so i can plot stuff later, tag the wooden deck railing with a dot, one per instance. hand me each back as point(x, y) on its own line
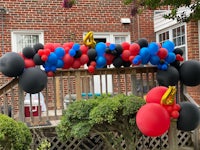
point(69, 85)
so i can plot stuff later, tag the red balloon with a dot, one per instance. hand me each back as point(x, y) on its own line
point(109, 58)
point(40, 52)
point(44, 57)
point(47, 52)
point(91, 69)
point(84, 59)
point(29, 63)
point(49, 46)
point(125, 45)
point(175, 114)
point(155, 94)
point(70, 44)
point(152, 120)
point(162, 53)
point(134, 49)
point(50, 74)
point(125, 55)
point(76, 64)
point(56, 45)
point(84, 49)
point(93, 63)
point(68, 59)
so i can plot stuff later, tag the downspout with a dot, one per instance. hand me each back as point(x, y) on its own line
point(3, 12)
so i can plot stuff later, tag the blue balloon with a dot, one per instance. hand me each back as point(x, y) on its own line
point(169, 45)
point(53, 68)
point(76, 47)
point(72, 52)
point(144, 53)
point(100, 48)
point(60, 63)
point(60, 52)
point(171, 57)
point(101, 61)
point(164, 67)
point(47, 68)
point(154, 60)
point(112, 47)
point(153, 48)
point(136, 60)
point(52, 58)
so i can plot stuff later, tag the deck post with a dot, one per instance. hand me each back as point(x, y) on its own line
point(172, 136)
point(78, 85)
point(21, 105)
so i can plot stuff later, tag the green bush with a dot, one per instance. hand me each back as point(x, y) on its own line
point(14, 135)
point(105, 116)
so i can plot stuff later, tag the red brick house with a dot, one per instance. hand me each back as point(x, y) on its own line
point(26, 22)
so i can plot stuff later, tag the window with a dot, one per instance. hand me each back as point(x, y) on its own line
point(21, 39)
point(177, 34)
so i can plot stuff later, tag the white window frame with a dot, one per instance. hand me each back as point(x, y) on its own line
point(171, 36)
point(110, 36)
point(40, 33)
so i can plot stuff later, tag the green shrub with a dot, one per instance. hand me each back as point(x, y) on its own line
point(13, 135)
point(105, 116)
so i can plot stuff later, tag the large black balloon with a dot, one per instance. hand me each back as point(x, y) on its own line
point(28, 52)
point(33, 80)
point(169, 77)
point(190, 73)
point(189, 118)
point(143, 42)
point(92, 54)
point(37, 60)
point(38, 46)
point(118, 62)
point(12, 64)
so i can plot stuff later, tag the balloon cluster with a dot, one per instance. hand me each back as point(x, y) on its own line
point(157, 54)
point(153, 118)
point(32, 79)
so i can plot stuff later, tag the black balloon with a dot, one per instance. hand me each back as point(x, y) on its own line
point(28, 52)
point(189, 118)
point(176, 64)
point(126, 63)
point(38, 46)
point(190, 73)
point(169, 77)
point(37, 60)
point(33, 80)
point(178, 51)
point(118, 49)
point(143, 42)
point(92, 54)
point(118, 62)
point(12, 64)
point(78, 54)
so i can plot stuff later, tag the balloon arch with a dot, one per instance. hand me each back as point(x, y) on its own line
point(153, 119)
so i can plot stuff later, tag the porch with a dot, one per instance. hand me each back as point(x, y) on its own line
point(69, 85)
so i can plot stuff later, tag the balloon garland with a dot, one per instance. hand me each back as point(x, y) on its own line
point(98, 55)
